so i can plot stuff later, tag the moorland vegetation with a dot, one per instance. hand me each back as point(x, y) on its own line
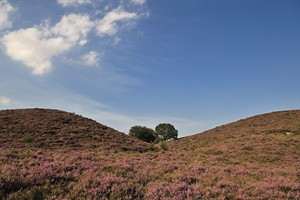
point(51, 154)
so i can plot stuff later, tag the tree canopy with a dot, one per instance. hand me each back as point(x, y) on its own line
point(163, 132)
point(166, 132)
point(143, 133)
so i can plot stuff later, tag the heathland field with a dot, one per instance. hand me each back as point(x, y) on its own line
point(51, 154)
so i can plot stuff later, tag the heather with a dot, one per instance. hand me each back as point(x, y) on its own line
point(254, 158)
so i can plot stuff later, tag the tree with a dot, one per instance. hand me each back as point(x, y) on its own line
point(166, 132)
point(142, 133)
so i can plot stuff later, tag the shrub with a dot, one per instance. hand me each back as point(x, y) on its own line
point(164, 146)
point(152, 147)
point(28, 138)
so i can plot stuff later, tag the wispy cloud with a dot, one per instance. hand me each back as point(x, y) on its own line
point(138, 2)
point(117, 40)
point(6, 9)
point(66, 3)
point(92, 58)
point(123, 122)
point(52, 95)
point(110, 23)
point(5, 100)
point(114, 118)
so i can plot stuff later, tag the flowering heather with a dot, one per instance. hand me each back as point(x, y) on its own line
point(252, 158)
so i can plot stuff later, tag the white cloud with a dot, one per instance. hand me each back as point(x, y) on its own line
point(5, 10)
point(35, 47)
point(65, 3)
point(32, 48)
point(108, 25)
point(74, 28)
point(138, 2)
point(91, 59)
point(4, 100)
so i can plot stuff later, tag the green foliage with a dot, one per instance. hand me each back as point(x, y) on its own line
point(24, 155)
point(28, 138)
point(143, 133)
point(152, 147)
point(166, 132)
point(163, 132)
point(21, 155)
point(164, 146)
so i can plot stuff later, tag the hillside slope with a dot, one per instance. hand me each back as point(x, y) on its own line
point(257, 157)
point(253, 158)
point(46, 128)
point(281, 123)
point(272, 134)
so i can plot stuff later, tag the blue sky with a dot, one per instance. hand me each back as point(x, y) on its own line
point(193, 63)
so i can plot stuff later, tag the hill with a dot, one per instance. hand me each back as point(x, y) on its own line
point(275, 124)
point(256, 157)
point(46, 128)
point(253, 158)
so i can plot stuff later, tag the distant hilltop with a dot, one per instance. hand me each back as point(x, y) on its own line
point(47, 128)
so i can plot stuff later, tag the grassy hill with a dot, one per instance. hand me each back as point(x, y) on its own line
point(53, 129)
point(59, 157)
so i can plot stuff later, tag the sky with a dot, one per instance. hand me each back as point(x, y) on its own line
point(195, 64)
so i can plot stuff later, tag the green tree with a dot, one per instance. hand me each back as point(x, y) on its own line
point(166, 132)
point(142, 133)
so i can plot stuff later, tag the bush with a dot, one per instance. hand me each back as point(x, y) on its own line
point(143, 133)
point(28, 138)
point(152, 147)
point(164, 146)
